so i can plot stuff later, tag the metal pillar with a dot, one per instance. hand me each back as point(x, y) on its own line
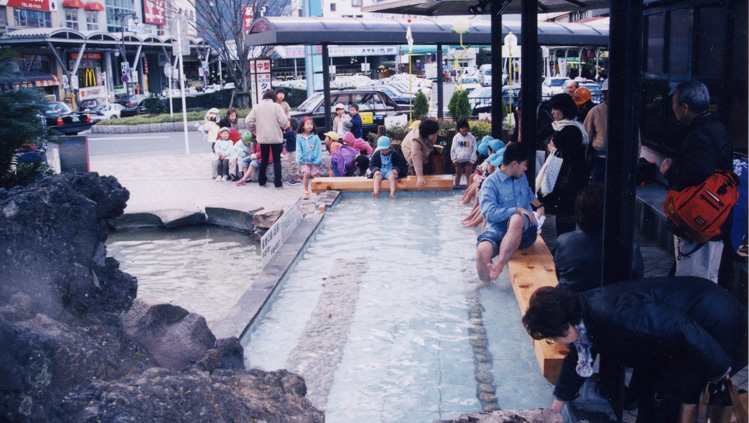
point(625, 47)
point(440, 81)
point(529, 80)
point(497, 40)
point(326, 86)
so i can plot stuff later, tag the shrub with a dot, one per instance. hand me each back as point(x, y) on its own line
point(459, 105)
point(480, 128)
point(155, 105)
point(19, 125)
point(421, 105)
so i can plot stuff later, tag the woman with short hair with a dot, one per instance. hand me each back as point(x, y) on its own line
point(416, 148)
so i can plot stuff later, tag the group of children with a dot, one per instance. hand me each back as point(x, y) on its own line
point(493, 150)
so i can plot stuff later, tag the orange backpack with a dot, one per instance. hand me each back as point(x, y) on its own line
point(699, 211)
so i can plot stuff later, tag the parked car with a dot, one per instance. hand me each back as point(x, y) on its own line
point(485, 75)
point(374, 105)
point(61, 118)
point(553, 86)
point(481, 101)
point(595, 91)
point(469, 83)
point(132, 105)
point(106, 111)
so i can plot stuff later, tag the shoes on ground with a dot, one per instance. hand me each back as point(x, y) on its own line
point(293, 182)
point(219, 178)
point(279, 187)
point(240, 183)
point(224, 178)
point(306, 195)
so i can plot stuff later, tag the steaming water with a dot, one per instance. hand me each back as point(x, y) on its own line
point(204, 269)
point(392, 342)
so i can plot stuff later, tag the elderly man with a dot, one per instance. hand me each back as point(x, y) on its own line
point(571, 87)
point(704, 147)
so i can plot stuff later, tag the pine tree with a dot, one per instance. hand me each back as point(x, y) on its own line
point(459, 106)
point(421, 105)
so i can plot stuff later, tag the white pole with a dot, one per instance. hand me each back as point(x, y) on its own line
point(220, 73)
point(182, 86)
point(169, 95)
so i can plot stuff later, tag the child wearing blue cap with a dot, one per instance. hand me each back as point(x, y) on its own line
point(386, 163)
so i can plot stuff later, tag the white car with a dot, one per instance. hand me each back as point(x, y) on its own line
point(553, 86)
point(106, 111)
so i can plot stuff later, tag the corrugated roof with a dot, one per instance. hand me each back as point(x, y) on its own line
point(314, 30)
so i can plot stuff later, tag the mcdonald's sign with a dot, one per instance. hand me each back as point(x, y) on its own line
point(90, 78)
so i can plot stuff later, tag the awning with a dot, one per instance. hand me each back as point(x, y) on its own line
point(94, 5)
point(73, 3)
point(36, 79)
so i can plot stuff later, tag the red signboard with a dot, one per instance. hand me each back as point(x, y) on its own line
point(86, 56)
point(248, 12)
point(154, 12)
point(30, 4)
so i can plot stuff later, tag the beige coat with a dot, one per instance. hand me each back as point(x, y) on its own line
point(416, 151)
point(267, 121)
point(596, 125)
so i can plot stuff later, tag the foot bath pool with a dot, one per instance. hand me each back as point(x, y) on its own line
point(376, 316)
point(204, 269)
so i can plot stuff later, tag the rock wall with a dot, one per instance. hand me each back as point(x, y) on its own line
point(74, 346)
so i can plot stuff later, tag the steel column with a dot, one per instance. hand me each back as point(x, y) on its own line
point(440, 81)
point(326, 85)
point(625, 47)
point(529, 80)
point(496, 19)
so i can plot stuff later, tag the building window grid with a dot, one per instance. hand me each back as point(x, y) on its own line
point(116, 9)
point(32, 18)
point(71, 18)
point(3, 17)
point(92, 20)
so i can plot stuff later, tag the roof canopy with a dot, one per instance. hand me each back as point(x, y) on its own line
point(461, 7)
point(314, 31)
point(72, 36)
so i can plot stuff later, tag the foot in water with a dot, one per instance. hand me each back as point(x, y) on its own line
point(494, 270)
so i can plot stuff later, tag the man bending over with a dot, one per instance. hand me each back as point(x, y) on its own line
point(505, 199)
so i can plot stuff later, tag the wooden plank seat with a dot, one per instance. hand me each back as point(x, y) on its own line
point(363, 184)
point(529, 270)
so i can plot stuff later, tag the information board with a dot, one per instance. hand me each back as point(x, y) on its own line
point(271, 242)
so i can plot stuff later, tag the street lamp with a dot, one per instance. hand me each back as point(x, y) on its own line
point(122, 39)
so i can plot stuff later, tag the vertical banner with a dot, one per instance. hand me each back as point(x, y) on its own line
point(260, 77)
point(248, 14)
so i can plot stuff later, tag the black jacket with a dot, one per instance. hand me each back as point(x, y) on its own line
point(398, 163)
point(639, 323)
point(573, 176)
point(578, 261)
point(705, 146)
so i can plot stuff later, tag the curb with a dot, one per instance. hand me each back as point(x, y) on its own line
point(153, 127)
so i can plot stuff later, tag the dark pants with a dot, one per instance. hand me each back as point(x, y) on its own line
point(598, 171)
point(222, 167)
point(265, 149)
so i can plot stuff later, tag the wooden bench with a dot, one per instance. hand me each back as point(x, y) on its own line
point(363, 184)
point(529, 270)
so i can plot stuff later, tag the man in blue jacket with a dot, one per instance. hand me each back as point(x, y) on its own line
point(505, 199)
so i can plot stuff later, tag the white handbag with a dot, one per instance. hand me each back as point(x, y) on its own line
point(547, 177)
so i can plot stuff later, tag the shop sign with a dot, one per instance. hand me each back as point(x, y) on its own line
point(248, 14)
point(92, 92)
point(86, 56)
point(29, 4)
point(154, 12)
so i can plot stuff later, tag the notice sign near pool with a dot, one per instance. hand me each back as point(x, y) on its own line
point(271, 242)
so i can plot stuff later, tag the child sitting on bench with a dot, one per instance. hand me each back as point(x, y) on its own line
point(386, 163)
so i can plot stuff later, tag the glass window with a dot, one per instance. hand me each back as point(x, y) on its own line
point(71, 18)
point(32, 18)
point(92, 20)
point(657, 121)
point(115, 10)
point(654, 54)
point(3, 17)
point(332, 7)
point(356, 3)
point(739, 48)
point(678, 50)
point(710, 41)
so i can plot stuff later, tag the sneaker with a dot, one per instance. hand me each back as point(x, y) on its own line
point(240, 183)
point(225, 178)
point(219, 178)
point(293, 182)
point(281, 187)
point(306, 195)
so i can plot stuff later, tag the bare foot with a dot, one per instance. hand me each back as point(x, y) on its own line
point(471, 287)
point(375, 194)
point(392, 195)
point(494, 270)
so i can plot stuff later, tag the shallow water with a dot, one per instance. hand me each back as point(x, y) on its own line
point(204, 269)
point(375, 316)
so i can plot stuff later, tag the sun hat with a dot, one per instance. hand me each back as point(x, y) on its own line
point(223, 129)
point(247, 137)
point(333, 136)
point(605, 86)
point(582, 95)
point(383, 143)
point(496, 144)
point(483, 144)
point(340, 106)
point(496, 158)
point(414, 124)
